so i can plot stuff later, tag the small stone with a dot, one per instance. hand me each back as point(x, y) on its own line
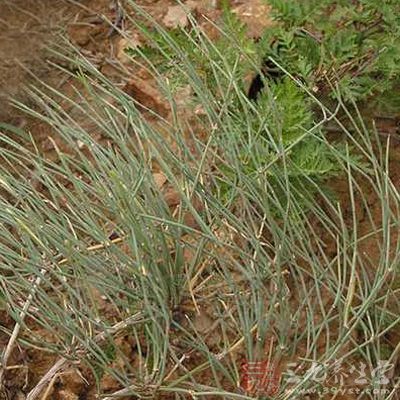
point(159, 179)
point(175, 17)
point(128, 42)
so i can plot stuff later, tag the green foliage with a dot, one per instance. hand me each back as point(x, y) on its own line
point(280, 141)
point(287, 119)
point(256, 281)
point(291, 113)
point(354, 45)
point(282, 121)
point(169, 53)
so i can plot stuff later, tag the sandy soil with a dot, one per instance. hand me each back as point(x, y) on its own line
point(26, 28)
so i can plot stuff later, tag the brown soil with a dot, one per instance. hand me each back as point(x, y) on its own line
point(26, 27)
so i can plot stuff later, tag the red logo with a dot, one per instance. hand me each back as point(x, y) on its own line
point(260, 378)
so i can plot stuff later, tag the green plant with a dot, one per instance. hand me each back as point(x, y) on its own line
point(281, 122)
point(350, 45)
point(169, 53)
point(292, 283)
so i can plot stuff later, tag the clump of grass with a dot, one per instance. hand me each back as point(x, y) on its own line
point(282, 117)
point(266, 269)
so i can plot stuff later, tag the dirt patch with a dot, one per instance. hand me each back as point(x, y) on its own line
point(26, 28)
